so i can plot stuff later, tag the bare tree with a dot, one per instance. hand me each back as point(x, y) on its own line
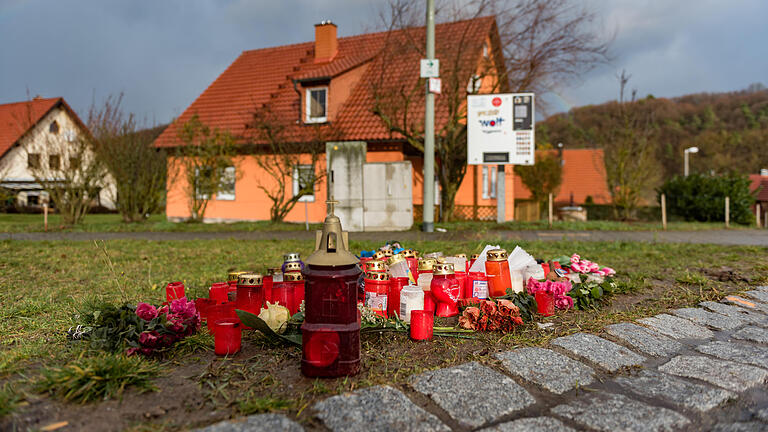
point(139, 170)
point(630, 165)
point(288, 161)
point(64, 164)
point(201, 163)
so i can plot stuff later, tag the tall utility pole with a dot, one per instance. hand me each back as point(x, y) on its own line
point(429, 131)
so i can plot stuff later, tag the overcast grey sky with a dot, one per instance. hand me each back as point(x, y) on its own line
point(163, 53)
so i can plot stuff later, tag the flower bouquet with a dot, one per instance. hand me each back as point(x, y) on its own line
point(489, 315)
point(558, 289)
point(164, 326)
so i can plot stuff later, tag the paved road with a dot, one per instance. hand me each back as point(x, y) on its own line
point(692, 369)
point(753, 237)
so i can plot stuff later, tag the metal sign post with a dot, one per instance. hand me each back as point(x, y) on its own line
point(429, 125)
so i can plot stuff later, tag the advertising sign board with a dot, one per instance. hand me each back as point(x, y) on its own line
point(500, 129)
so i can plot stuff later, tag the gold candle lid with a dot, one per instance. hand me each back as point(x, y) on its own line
point(377, 276)
point(234, 275)
point(461, 255)
point(443, 269)
point(388, 252)
point(394, 259)
point(250, 279)
point(274, 270)
point(426, 264)
point(293, 256)
point(292, 266)
point(475, 256)
point(409, 253)
point(375, 266)
point(379, 255)
point(292, 276)
point(497, 255)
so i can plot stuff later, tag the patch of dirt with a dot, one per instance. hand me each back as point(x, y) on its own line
point(724, 274)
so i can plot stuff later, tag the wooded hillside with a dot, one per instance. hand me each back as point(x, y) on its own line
point(730, 129)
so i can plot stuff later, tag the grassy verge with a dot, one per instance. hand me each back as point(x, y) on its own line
point(15, 223)
point(45, 284)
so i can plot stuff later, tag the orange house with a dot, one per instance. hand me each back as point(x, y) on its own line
point(334, 82)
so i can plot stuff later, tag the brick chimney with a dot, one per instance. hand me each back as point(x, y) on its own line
point(326, 45)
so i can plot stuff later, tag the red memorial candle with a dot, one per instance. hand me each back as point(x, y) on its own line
point(228, 336)
point(173, 291)
point(421, 325)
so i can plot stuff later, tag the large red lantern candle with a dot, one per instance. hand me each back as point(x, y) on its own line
point(445, 290)
point(421, 325)
point(376, 291)
point(227, 337)
point(173, 291)
point(331, 329)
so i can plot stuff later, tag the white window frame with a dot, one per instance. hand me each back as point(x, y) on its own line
point(228, 173)
point(304, 198)
point(308, 103)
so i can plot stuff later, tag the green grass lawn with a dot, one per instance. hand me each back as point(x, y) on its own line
point(44, 285)
point(15, 223)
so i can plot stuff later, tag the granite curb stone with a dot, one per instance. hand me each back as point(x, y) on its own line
point(255, 423)
point(613, 412)
point(749, 304)
point(743, 314)
point(531, 424)
point(643, 339)
point(677, 328)
point(456, 389)
point(710, 319)
point(740, 427)
point(546, 368)
point(737, 351)
point(758, 295)
point(727, 374)
point(676, 390)
point(753, 334)
point(362, 410)
point(762, 414)
point(604, 353)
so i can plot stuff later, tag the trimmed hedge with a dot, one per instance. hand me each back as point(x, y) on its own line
point(702, 197)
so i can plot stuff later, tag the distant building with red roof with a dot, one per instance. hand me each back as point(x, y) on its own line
point(27, 131)
point(583, 178)
point(759, 186)
point(334, 82)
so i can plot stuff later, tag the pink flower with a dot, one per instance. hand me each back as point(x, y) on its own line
point(607, 271)
point(575, 258)
point(593, 267)
point(563, 302)
point(131, 351)
point(184, 308)
point(148, 339)
point(175, 323)
point(145, 311)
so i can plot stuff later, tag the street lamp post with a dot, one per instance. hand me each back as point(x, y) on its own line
point(685, 158)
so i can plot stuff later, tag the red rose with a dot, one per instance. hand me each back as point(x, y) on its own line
point(145, 311)
point(148, 339)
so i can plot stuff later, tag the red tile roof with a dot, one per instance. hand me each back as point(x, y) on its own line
point(18, 117)
point(583, 176)
point(759, 184)
point(266, 76)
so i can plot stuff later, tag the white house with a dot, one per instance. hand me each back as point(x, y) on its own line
point(40, 136)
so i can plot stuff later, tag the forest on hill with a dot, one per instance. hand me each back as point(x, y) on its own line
point(730, 130)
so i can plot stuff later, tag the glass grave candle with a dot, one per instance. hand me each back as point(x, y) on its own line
point(250, 293)
point(413, 263)
point(282, 293)
point(203, 305)
point(295, 282)
point(411, 299)
point(497, 269)
point(393, 296)
point(472, 260)
point(219, 292)
point(219, 312)
point(232, 278)
point(466, 263)
point(425, 281)
point(268, 280)
point(331, 330)
point(294, 258)
point(545, 303)
point(173, 291)
point(227, 337)
point(376, 290)
point(478, 286)
point(376, 266)
point(422, 323)
point(445, 290)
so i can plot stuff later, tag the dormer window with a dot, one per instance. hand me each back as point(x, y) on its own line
point(316, 106)
point(53, 128)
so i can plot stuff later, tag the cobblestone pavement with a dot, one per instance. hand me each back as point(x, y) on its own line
point(695, 369)
point(753, 237)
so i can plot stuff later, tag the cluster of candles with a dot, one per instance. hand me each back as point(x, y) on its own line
point(398, 282)
point(246, 291)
